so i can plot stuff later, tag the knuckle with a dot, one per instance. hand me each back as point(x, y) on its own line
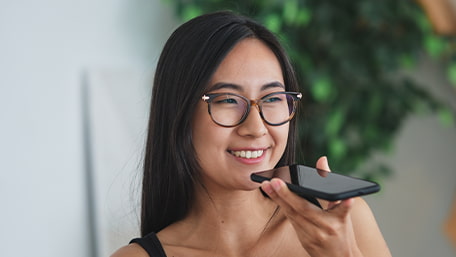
point(319, 240)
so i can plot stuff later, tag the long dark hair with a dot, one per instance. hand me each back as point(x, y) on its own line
point(189, 58)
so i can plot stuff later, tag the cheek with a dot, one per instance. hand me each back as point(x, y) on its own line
point(280, 135)
point(209, 142)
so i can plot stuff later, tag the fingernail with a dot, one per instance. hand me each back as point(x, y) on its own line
point(276, 185)
point(267, 187)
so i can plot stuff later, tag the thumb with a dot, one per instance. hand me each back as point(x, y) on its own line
point(322, 163)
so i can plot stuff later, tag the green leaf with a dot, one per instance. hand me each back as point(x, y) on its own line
point(434, 45)
point(290, 11)
point(321, 89)
point(191, 11)
point(423, 22)
point(335, 121)
point(451, 73)
point(304, 17)
point(374, 106)
point(337, 148)
point(446, 117)
point(406, 61)
point(370, 133)
point(294, 15)
point(273, 22)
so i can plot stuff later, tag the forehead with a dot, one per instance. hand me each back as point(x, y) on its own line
point(251, 63)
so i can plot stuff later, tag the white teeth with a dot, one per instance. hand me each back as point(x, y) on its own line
point(247, 154)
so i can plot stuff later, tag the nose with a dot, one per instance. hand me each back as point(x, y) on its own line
point(253, 125)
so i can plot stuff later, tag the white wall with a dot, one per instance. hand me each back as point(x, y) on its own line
point(45, 46)
point(118, 101)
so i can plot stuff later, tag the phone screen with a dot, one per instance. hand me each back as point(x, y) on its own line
point(307, 181)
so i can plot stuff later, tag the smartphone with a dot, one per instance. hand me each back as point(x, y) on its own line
point(311, 183)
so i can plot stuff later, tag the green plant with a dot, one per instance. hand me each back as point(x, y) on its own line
point(347, 55)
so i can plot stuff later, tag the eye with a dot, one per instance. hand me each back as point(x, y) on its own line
point(274, 99)
point(225, 100)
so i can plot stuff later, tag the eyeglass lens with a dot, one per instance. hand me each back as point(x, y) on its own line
point(231, 109)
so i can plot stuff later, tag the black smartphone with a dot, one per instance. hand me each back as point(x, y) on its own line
point(311, 183)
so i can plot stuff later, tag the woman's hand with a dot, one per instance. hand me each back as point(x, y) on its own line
point(322, 232)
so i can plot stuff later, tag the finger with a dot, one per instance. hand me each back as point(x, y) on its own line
point(332, 205)
point(342, 208)
point(289, 200)
point(268, 188)
point(322, 163)
point(306, 218)
point(271, 190)
point(303, 215)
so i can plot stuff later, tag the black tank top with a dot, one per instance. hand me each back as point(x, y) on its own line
point(151, 244)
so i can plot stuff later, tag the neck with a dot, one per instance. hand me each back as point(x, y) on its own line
point(229, 207)
point(231, 220)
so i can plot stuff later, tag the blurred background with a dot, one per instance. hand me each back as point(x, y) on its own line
point(75, 79)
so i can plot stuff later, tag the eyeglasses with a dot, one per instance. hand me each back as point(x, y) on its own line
point(230, 110)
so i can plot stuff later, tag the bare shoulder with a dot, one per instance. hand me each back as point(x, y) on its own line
point(362, 214)
point(362, 217)
point(368, 234)
point(131, 250)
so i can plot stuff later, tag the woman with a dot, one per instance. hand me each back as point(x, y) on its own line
point(215, 117)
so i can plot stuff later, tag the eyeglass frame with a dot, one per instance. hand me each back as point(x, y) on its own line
point(296, 96)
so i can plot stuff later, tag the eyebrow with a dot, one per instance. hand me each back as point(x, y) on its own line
point(239, 88)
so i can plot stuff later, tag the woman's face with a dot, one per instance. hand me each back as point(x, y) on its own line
point(252, 70)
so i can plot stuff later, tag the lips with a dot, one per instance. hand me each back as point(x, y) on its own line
point(247, 154)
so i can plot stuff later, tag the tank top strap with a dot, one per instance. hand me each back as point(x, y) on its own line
point(151, 245)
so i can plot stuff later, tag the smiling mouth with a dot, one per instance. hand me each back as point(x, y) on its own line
point(247, 154)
